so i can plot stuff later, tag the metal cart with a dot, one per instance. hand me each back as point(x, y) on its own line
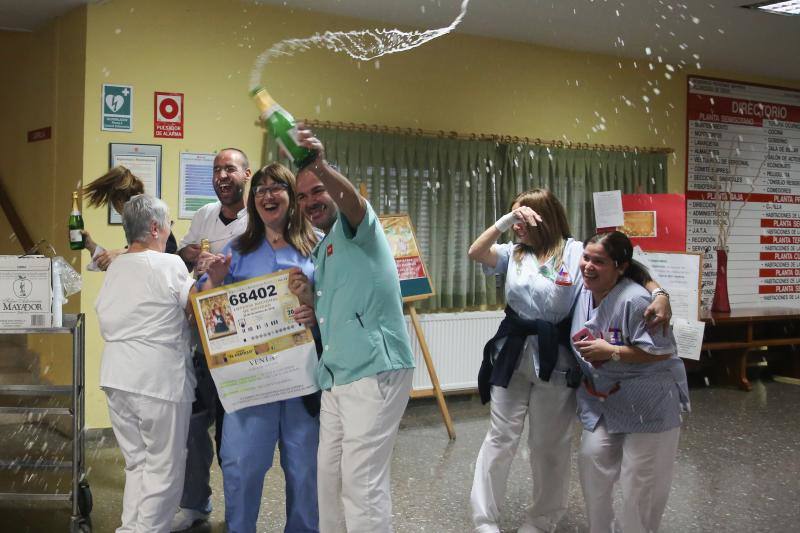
point(80, 495)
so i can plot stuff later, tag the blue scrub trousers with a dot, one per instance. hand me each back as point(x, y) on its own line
point(249, 437)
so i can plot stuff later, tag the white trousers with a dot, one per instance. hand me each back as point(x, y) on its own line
point(358, 428)
point(643, 464)
point(152, 436)
point(550, 407)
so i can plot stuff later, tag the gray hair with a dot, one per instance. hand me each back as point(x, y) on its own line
point(137, 215)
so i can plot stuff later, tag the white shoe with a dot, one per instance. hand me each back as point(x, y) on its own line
point(186, 518)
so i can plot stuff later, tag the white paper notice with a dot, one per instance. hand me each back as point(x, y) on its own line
point(608, 209)
point(688, 337)
point(679, 274)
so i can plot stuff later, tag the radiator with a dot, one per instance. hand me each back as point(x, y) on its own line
point(455, 341)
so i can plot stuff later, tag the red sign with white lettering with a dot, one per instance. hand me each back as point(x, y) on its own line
point(168, 115)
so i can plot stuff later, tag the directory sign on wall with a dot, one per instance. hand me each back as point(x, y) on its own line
point(743, 189)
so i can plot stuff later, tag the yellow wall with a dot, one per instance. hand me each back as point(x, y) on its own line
point(45, 87)
point(206, 48)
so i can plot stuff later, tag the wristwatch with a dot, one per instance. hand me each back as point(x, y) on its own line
point(658, 291)
point(615, 356)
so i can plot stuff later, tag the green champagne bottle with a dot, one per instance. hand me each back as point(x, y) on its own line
point(75, 225)
point(280, 125)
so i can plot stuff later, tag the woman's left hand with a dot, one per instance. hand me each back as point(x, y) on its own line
point(595, 349)
point(658, 313)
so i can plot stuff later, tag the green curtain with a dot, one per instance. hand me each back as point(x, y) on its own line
point(454, 188)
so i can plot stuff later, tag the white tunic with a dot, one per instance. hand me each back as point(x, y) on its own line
point(533, 291)
point(207, 225)
point(140, 309)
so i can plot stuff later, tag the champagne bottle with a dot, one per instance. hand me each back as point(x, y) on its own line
point(76, 241)
point(281, 126)
point(199, 269)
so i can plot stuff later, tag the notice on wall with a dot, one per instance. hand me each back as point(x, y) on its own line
point(679, 275)
point(743, 189)
point(196, 183)
point(608, 210)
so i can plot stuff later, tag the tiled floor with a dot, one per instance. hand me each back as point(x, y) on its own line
point(738, 469)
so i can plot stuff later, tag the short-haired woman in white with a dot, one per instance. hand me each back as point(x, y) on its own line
point(633, 390)
point(146, 369)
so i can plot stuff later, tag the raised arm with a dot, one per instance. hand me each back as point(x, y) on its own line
point(482, 250)
point(351, 205)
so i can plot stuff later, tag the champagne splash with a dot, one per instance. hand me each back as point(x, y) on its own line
point(363, 45)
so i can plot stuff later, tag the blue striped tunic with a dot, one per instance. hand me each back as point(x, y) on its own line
point(630, 397)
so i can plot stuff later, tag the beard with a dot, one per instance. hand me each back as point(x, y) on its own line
point(233, 194)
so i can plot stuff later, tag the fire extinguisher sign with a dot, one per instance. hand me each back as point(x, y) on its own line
point(168, 115)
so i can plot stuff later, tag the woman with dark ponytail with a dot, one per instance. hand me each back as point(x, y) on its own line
point(632, 393)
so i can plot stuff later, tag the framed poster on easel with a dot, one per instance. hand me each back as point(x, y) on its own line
point(415, 284)
point(144, 162)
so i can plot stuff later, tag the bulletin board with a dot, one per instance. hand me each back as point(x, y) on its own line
point(144, 162)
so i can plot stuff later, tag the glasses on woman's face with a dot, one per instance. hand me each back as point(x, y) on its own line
point(272, 190)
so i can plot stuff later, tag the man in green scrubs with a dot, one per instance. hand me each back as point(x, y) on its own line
point(366, 366)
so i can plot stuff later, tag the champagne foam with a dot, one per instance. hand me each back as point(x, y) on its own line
point(364, 45)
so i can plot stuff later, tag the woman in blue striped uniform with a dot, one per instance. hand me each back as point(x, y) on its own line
point(632, 394)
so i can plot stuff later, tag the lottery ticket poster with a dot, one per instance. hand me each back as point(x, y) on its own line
point(255, 350)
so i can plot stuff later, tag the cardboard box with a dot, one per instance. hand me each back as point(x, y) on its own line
point(26, 292)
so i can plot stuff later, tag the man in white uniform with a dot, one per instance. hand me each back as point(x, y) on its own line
point(218, 222)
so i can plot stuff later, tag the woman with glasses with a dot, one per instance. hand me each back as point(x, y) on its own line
point(277, 237)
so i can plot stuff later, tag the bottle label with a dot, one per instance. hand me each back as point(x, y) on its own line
point(75, 235)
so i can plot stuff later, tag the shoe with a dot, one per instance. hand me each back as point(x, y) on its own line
point(186, 518)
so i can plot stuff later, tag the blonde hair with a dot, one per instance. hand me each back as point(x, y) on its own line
point(298, 231)
point(115, 187)
point(551, 233)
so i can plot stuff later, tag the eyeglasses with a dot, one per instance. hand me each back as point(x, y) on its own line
point(272, 190)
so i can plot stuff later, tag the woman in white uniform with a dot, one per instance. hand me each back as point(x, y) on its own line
point(528, 369)
point(631, 398)
point(146, 369)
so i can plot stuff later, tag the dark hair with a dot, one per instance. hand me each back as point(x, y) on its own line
point(552, 232)
point(115, 187)
point(298, 231)
point(620, 249)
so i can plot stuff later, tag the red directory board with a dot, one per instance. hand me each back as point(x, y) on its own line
point(743, 188)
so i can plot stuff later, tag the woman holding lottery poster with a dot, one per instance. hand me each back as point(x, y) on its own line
point(277, 237)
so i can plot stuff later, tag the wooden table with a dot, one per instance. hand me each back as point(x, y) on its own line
point(734, 335)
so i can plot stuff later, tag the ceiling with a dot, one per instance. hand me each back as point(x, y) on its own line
point(717, 34)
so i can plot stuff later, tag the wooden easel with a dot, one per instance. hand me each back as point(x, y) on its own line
point(426, 354)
